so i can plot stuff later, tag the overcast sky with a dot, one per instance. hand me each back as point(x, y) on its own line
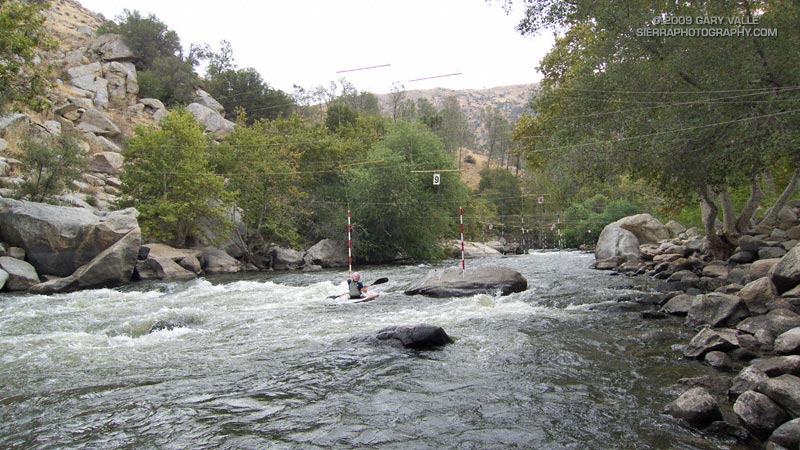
point(306, 42)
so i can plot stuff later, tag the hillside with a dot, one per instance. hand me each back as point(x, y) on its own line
point(511, 100)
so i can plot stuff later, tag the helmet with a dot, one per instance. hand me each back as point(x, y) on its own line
point(356, 276)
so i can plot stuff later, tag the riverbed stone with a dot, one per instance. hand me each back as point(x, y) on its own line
point(710, 339)
point(778, 365)
point(786, 273)
point(696, 406)
point(747, 379)
point(418, 337)
point(759, 414)
point(21, 274)
point(776, 322)
point(783, 390)
point(3, 278)
point(716, 310)
point(787, 435)
point(788, 343)
point(217, 261)
point(719, 360)
point(645, 227)
point(160, 268)
point(759, 295)
point(452, 282)
point(679, 305)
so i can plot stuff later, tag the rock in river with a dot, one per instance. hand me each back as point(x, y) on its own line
point(451, 282)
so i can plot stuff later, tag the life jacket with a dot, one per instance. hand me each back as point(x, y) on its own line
point(355, 291)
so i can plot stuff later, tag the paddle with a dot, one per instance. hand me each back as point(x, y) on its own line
point(378, 281)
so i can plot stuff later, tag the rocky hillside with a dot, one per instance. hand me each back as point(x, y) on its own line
point(511, 100)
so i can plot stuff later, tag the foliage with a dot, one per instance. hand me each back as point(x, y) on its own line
point(620, 99)
point(261, 172)
point(148, 37)
point(583, 222)
point(501, 188)
point(23, 78)
point(150, 85)
point(244, 90)
point(51, 163)
point(168, 178)
point(398, 212)
point(340, 116)
point(173, 78)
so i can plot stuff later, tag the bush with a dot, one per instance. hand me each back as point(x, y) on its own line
point(51, 162)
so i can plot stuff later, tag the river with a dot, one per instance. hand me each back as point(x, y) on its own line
point(263, 360)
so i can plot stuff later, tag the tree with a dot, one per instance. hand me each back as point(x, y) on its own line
point(174, 78)
point(148, 37)
point(498, 133)
point(23, 78)
point(501, 188)
point(51, 163)
point(455, 130)
point(621, 95)
point(261, 173)
point(168, 178)
point(399, 212)
point(245, 90)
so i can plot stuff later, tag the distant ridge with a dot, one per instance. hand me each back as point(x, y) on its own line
point(511, 100)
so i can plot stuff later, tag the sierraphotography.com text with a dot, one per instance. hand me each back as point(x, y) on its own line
point(705, 26)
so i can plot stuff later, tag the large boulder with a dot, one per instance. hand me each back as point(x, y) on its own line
point(94, 121)
point(204, 98)
point(786, 273)
point(616, 242)
point(787, 435)
point(418, 337)
point(57, 239)
point(214, 122)
point(110, 47)
point(286, 259)
point(646, 228)
point(760, 415)
point(21, 275)
point(716, 310)
point(473, 250)
point(217, 261)
point(328, 253)
point(452, 282)
point(112, 267)
point(783, 390)
point(709, 339)
point(695, 406)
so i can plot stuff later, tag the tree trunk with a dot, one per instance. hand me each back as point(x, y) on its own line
point(728, 213)
point(771, 219)
point(719, 248)
point(756, 195)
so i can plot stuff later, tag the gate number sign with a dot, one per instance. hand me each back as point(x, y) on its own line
point(437, 179)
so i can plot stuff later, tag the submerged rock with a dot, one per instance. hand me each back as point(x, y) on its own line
point(418, 337)
point(451, 282)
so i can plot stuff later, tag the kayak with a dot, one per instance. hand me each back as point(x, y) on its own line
point(371, 296)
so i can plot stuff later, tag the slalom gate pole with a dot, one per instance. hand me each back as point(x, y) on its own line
point(349, 248)
point(461, 223)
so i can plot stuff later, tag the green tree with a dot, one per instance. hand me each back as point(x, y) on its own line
point(620, 96)
point(148, 37)
point(174, 78)
point(501, 188)
point(245, 90)
point(399, 212)
point(261, 172)
point(51, 163)
point(168, 178)
point(339, 117)
point(23, 77)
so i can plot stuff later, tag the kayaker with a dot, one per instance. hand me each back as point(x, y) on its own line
point(356, 287)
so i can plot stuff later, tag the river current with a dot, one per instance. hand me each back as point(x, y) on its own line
point(265, 361)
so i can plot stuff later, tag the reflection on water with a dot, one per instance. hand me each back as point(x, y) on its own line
point(266, 361)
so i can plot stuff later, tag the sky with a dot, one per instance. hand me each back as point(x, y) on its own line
point(310, 42)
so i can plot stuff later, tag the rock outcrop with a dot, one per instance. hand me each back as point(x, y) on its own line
point(451, 282)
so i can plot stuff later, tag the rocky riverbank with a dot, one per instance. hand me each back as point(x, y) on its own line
point(745, 311)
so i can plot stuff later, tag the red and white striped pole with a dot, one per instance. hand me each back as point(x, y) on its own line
point(349, 248)
point(461, 220)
